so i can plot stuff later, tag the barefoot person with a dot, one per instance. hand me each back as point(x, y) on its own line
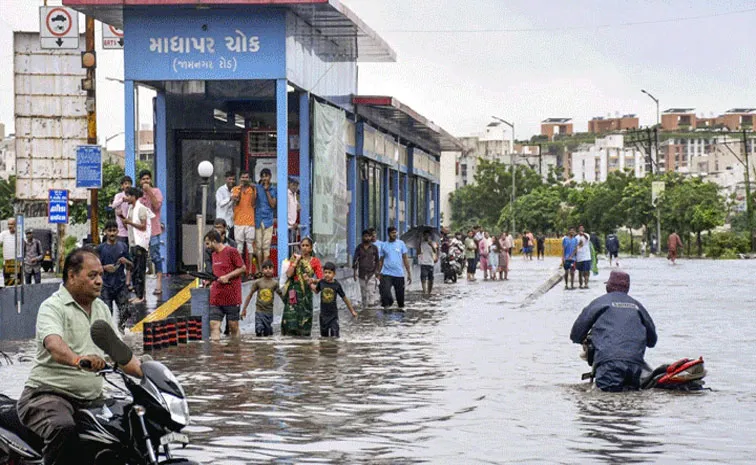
point(674, 243)
point(301, 271)
point(569, 249)
point(225, 292)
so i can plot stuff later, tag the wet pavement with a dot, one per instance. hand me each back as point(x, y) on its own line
point(471, 375)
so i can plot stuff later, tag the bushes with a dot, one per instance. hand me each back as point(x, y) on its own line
point(726, 245)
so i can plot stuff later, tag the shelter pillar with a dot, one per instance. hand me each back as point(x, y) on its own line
point(385, 197)
point(282, 168)
point(162, 174)
point(305, 171)
point(437, 189)
point(395, 174)
point(352, 229)
point(129, 129)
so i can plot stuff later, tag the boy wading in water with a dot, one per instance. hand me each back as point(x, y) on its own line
point(265, 287)
point(329, 288)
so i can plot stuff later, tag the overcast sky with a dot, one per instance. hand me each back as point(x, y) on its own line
point(522, 60)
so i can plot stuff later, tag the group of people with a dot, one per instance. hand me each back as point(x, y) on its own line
point(30, 268)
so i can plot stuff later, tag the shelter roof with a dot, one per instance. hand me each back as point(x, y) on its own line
point(332, 20)
point(394, 116)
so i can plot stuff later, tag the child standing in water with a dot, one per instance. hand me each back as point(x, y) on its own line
point(265, 287)
point(329, 288)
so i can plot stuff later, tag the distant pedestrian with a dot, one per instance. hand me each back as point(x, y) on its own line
point(393, 255)
point(115, 259)
point(224, 203)
point(596, 243)
point(120, 205)
point(583, 257)
point(493, 255)
point(427, 258)
point(504, 257)
point(244, 197)
point(153, 199)
point(11, 269)
point(674, 245)
point(569, 250)
point(511, 242)
point(612, 248)
point(265, 287)
point(471, 250)
point(365, 264)
point(265, 212)
point(225, 291)
point(643, 249)
point(139, 226)
point(293, 212)
point(531, 244)
point(483, 251)
point(540, 246)
point(329, 288)
point(32, 258)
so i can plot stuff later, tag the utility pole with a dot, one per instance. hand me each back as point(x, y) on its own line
point(88, 61)
point(749, 206)
point(514, 166)
point(540, 162)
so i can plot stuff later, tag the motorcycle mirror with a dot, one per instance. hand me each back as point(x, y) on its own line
point(106, 339)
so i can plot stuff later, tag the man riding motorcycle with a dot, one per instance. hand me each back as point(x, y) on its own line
point(57, 386)
point(620, 329)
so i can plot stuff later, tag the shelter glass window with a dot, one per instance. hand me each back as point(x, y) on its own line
point(422, 201)
point(402, 204)
point(392, 187)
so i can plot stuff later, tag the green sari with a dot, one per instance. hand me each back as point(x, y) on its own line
point(297, 314)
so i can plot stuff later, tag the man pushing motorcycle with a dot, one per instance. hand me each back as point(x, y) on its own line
point(620, 329)
point(59, 384)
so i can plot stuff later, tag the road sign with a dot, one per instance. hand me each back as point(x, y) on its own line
point(89, 166)
point(57, 206)
point(657, 187)
point(58, 27)
point(112, 37)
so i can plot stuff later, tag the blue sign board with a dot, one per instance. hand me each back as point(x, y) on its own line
point(200, 44)
point(89, 166)
point(57, 208)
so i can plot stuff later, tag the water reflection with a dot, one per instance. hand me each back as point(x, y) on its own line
point(613, 425)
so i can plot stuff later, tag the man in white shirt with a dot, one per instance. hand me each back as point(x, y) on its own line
point(224, 204)
point(293, 210)
point(11, 271)
point(583, 257)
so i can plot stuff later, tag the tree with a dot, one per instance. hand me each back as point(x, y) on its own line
point(693, 206)
point(7, 196)
point(111, 185)
point(538, 210)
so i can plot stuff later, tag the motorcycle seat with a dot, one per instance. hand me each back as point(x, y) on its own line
point(9, 421)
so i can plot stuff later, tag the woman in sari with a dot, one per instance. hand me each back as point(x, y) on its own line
point(300, 272)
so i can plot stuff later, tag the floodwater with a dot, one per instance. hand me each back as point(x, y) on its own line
point(472, 376)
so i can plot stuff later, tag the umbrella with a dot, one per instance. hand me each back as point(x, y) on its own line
point(414, 236)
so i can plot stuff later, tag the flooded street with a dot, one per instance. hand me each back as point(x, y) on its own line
point(473, 376)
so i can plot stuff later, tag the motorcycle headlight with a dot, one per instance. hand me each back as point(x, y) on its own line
point(178, 408)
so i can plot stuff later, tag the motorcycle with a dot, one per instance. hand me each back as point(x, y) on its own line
point(450, 265)
point(682, 375)
point(123, 430)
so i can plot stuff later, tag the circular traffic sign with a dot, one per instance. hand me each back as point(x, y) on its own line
point(59, 22)
point(116, 32)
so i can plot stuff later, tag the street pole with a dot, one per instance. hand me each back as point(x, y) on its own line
point(656, 169)
point(92, 120)
point(749, 207)
point(201, 227)
point(514, 171)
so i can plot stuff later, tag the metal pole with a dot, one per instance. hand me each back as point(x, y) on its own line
point(514, 176)
point(656, 131)
point(92, 122)
point(749, 207)
point(201, 227)
point(136, 129)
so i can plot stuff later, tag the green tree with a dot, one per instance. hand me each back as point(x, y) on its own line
point(7, 196)
point(111, 179)
point(693, 206)
point(539, 210)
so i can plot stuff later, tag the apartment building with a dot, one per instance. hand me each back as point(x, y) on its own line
point(594, 162)
point(601, 125)
point(494, 144)
point(678, 119)
point(551, 127)
point(7, 154)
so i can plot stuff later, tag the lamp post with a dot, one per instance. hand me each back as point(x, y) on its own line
point(514, 171)
point(205, 170)
point(656, 133)
point(136, 112)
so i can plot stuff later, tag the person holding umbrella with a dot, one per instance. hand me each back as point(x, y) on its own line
point(427, 258)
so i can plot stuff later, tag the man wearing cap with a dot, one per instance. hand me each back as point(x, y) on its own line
point(621, 329)
point(32, 258)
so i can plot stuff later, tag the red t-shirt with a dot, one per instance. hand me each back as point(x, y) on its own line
point(224, 262)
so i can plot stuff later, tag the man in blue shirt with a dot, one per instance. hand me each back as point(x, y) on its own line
point(569, 249)
point(393, 256)
point(265, 213)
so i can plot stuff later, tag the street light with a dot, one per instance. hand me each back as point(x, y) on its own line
point(205, 170)
point(514, 171)
point(656, 133)
point(136, 112)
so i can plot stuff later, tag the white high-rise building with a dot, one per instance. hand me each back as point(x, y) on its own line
point(594, 162)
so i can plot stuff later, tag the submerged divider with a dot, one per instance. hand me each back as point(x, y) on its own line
point(168, 307)
point(171, 332)
point(544, 288)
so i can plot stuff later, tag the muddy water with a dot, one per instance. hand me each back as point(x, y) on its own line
point(473, 376)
